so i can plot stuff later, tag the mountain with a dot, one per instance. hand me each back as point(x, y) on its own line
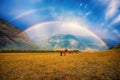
point(111, 43)
point(117, 47)
point(11, 38)
point(62, 41)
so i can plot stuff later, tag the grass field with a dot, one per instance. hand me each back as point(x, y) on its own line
point(103, 65)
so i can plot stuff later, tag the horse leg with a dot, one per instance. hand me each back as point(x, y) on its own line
point(64, 53)
point(61, 53)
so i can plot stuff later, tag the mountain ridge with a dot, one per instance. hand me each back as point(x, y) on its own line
point(117, 47)
point(69, 41)
point(11, 39)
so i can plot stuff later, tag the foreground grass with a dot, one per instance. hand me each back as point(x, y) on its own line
point(104, 65)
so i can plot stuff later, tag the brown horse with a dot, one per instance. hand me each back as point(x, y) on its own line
point(63, 52)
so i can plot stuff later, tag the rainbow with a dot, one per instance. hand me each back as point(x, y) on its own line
point(25, 14)
point(49, 22)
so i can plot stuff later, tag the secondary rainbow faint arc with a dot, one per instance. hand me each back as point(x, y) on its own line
point(48, 22)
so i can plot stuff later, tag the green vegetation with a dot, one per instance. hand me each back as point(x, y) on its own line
point(103, 65)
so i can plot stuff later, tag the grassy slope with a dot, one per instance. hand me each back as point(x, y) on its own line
point(84, 66)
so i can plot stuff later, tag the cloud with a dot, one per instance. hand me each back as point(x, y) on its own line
point(88, 13)
point(117, 19)
point(112, 8)
point(113, 21)
point(81, 4)
point(103, 1)
point(116, 33)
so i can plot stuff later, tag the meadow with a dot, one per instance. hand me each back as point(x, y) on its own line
point(100, 65)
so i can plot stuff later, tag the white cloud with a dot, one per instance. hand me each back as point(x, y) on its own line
point(112, 8)
point(88, 13)
point(117, 19)
point(114, 21)
point(116, 32)
point(103, 1)
point(81, 4)
point(63, 15)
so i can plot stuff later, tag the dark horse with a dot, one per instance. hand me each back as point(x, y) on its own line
point(63, 52)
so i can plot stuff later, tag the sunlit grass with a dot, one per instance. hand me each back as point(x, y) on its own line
point(104, 65)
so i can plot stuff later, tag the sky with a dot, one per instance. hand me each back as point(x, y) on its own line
point(102, 17)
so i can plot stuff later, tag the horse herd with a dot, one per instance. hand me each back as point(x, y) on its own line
point(63, 52)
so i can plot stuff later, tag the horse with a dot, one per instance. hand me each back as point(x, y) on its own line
point(63, 52)
point(73, 51)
